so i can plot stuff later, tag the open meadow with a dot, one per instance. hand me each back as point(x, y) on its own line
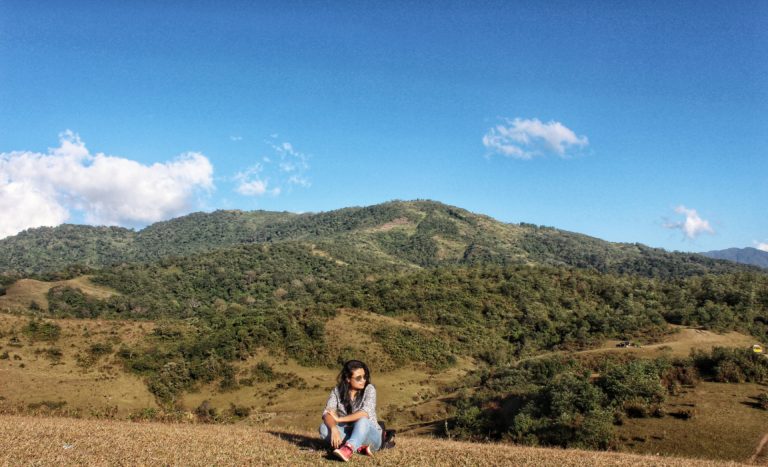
point(61, 441)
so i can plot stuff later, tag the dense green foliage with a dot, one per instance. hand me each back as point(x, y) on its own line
point(726, 365)
point(405, 345)
point(571, 403)
point(420, 233)
point(279, 296)
point(49, 249)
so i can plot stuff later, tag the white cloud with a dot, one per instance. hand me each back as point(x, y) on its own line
point(300, 181)
point(529, 138)
point(283, 169)
point(235, 138)
point(693, 225)
point(252, 188)
point(43, 189)
point(762, 246)
point(252, 184)
point(24, 206)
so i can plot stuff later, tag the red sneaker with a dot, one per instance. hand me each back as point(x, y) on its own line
point(365, 450)
point(344, 452)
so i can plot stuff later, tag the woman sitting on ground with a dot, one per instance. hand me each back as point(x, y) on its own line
point(349, 419)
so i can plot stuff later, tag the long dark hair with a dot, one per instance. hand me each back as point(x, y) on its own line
point(343, 385)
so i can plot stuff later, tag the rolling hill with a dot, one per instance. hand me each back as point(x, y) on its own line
point(472, 326)
point(747, 255)
point(402, 233)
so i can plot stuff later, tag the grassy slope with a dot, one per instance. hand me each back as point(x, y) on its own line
point(29, 375)
point(726, 426)
point(410, 396)
point(57, 441)
point(23, 292)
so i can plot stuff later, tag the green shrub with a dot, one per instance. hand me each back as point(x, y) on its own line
point(239, 411)
point(729, 365)
point(263, 372)
point(38, 330)
point(206, 413)
point(48, 405)
point(100, 348)
point(762, 400)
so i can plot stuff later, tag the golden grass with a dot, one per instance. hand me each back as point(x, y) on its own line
point(680, 344)
point(726, 424)
point(29, 376)
point(59, 441)
point(23, 292)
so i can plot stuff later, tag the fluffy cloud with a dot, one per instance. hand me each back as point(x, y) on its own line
point(692, 226)
point(251, 183)
point(528, 138)
point(39, 189)
point(762, 246)
point(24, 206)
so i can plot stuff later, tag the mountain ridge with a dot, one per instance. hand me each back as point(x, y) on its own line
point(420, 233)
point(748, 255)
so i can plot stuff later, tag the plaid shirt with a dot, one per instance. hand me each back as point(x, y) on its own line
point(367, 404)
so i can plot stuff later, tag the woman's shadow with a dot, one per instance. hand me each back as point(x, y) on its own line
point(304, 443)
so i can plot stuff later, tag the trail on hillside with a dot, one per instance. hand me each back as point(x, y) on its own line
point(759, 450)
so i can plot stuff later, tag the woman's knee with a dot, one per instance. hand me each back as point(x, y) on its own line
point(364, 422)
point(323, 430)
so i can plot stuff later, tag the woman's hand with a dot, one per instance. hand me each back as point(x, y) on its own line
point(335, 437)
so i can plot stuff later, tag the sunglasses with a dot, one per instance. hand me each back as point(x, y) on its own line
point(359, 378)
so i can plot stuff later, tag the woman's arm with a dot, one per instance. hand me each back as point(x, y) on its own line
point(330, 421)
point(351, 418)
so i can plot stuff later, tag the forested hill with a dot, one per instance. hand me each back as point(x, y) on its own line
point(406, 234)
point(747, 255)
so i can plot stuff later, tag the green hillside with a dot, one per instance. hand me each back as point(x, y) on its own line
point(408, 285)
point(408, 234)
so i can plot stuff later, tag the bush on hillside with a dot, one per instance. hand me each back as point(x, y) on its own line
point(727, 365)
point(38, 330)
point(762, 400)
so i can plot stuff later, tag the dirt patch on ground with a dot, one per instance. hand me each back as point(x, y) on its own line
point(394, 223)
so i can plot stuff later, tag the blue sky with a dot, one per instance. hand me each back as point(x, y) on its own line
point(629, 121)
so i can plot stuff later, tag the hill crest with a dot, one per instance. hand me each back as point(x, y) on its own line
point(418, 233)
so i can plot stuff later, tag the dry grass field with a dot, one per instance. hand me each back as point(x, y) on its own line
point(726, 424)
point(680, 343)
point(59, 441)
point(61, 372)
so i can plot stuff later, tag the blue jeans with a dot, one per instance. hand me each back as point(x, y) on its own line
point(359, 433)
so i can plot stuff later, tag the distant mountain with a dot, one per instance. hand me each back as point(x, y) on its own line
point(404, 234)
point(747, 255)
